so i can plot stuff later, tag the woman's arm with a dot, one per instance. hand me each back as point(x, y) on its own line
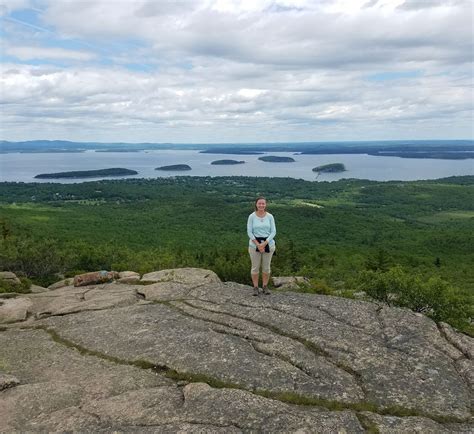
point(272, 230)
point(250, 230)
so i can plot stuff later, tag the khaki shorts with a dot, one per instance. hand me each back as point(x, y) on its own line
point(260, 259)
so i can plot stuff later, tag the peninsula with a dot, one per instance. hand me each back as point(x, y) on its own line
point(174, 167)
point(227, 162)
point(330, 168)
point(88, 173)
point(275, 159)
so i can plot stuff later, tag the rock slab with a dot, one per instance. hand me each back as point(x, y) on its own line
point(193, 354)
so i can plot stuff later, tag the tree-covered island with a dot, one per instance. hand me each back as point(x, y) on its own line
point(116, 171)
point(174, 167)
point(330, 168)
point(226, 162)
point(275, 159)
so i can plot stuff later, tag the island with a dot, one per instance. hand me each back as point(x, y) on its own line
point(174, 167)
point(98, 173)
point(275, 159)
point(227, 162)
point(330, 168)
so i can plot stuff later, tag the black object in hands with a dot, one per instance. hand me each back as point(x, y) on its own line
point(261, 240)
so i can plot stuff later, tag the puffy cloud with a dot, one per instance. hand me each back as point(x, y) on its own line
point(229, 70)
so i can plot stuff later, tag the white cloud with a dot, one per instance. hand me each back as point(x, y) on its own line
point(229, 70)
point(35, 53)
point(7, 6)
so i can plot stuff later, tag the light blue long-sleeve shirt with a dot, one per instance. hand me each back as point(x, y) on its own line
point(261, 227)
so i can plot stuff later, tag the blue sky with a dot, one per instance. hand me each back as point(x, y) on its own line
point(236, 71)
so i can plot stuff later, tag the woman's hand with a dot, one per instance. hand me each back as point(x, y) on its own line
point(261, 247)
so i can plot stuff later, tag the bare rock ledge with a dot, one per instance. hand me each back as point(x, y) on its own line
point(189, 353)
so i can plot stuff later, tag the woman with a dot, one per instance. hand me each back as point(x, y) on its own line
point(261, 231)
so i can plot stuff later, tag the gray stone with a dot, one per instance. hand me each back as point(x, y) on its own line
point(289, 282)
point(165, 291)
point(464, 343)
point(61, 284)
point(9, 277)
point(128, 277)
point(412, 424)
point(90, 371)
point(187, 276)
point(56, 379)
point(68, 299)
point(14, 309)
point(8, 381)
point(36, 289)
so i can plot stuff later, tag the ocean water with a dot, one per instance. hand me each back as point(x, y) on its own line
point(22, 167)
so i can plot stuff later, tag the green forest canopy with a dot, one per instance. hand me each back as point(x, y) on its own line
point(329, 231)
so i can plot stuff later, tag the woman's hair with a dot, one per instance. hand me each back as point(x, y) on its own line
point(256, 200)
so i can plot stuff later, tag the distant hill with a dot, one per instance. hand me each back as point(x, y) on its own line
point(88, 173)
point(442, 149)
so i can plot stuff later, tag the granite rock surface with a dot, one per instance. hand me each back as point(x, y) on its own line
point(189, 353)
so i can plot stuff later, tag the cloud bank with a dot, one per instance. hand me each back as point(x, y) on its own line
point(236, 71)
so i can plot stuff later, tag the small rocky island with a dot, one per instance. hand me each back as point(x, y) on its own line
point(88, 173)
point(275, 159)
point(174, 167)
point(330, 168)
point(227, 162)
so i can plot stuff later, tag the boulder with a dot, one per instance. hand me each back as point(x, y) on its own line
point(77, 299)
point(14, 309)
point(289, 282)
point(128, 277)
point(61, 284)
point(94, 278)
point(9, 277)
point(36, 289)
point(187, 276)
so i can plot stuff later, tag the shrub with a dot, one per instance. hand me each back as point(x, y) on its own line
point(433, 296)
point(22, 288)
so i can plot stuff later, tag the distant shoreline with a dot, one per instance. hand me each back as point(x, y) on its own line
point(432, 149)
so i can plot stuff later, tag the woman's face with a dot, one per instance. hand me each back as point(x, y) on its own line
point(261, 204)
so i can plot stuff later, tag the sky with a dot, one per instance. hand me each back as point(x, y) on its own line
point(230, 71)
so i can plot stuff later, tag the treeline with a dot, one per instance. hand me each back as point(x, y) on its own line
point(331, 232)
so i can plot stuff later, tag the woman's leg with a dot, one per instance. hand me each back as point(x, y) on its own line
point(256, 259)
point(255, 280)
point(266, 260)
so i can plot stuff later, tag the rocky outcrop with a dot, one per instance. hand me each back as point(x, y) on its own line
point(9, 277)
point(61, 283)
point(14, 309)
point(188, 353)
point(128, 277)
point(94, 278)
point(289, 282)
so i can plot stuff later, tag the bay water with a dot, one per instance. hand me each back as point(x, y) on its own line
point(22, 167)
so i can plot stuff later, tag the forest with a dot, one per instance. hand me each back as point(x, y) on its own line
point(404, 243)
